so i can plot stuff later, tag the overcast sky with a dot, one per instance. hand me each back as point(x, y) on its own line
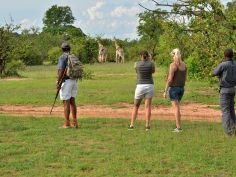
point(95, 17)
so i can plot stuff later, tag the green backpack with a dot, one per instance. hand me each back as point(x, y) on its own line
point(75, 67)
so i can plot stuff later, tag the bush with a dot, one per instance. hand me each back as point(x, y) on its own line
point(12, 68)
point(88, 74)
point(53, 55)
point(192, 67)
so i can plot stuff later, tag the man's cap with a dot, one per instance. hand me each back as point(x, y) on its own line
point(65, 45)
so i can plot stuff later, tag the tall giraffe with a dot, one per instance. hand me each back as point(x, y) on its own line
point(102, 53)
point(120, 55)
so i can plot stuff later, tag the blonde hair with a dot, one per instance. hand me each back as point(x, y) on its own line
point(176, 56)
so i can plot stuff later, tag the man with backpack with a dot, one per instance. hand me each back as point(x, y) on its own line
point(69, 71)
point(226, 71)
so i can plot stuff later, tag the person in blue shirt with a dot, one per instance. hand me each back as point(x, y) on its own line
point(68, 89)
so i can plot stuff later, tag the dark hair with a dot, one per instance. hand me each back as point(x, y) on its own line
point(145, 54)
point(229, 53)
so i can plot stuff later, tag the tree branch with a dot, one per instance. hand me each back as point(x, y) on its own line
point(170, 5)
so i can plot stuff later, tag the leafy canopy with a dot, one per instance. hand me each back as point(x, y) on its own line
point(58, 16)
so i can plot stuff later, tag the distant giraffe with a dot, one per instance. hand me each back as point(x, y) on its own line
point(120, 55)
point(102, 53)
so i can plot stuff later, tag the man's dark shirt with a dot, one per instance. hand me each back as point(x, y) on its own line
point(224, 70)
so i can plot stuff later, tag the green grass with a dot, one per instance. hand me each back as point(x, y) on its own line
point(112, 84)
point(32, 146)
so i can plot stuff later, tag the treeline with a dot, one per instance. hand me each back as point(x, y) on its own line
point(201, 29)
point(36, 47)
point(32, 47)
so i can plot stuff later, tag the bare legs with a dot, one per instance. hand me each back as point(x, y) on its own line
point(148, 106)
point(66, 104)
point(69, 105)
point(176, 107)
point(73, 108)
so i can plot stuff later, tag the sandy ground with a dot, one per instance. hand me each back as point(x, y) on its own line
point(191, 111)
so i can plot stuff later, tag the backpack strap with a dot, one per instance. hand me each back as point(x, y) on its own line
point(67, 57)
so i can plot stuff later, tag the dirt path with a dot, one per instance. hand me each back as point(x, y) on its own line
point(195, 112)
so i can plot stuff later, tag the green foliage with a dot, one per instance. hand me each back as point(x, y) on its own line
point(28, 53)
point(207, 29)
point(59, 20)
point(85, 48)
point(33, 47)
point(71, 32)
point(8, 54)
point(111, 56)
point(53, 54)
point(193, 71)
point(58, 16)
point(13, 68)
point(88, 74)
point(132, 53)
point(150, 29)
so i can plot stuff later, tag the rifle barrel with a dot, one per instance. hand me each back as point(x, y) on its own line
point(58, 90)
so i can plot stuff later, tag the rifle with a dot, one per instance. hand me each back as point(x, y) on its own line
point(58, 89)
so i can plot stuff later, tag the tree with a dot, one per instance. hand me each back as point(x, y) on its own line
point(209, 27)
point(150, 29)
point(57, 17)
point(71, 31)
point(8, 62)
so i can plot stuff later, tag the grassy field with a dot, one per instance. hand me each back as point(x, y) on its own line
point(31, 146)
point(111, 84)
point(104, 147)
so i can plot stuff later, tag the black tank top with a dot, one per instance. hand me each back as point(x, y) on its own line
point(179, 78)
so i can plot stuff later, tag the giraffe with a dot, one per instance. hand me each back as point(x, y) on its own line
point(120, 55)
point(102, 53)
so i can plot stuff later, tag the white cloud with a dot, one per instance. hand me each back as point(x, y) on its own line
point(26, 23)
point(124, 24)
point(129, 35)
point(120, 11)
point(93, 11)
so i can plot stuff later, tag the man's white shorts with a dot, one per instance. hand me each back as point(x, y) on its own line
point(144, 91)
point(68, 89)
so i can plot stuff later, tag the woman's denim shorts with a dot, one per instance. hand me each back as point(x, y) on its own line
point(176, 93)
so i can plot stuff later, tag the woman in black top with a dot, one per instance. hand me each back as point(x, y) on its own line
point(175, 83)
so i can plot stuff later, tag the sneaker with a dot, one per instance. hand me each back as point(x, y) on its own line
point(74, 124)
point(177, 130)
point(148, 128)
point(130, 127)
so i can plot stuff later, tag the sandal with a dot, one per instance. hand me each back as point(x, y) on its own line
point(66, 125)
point(74, 124)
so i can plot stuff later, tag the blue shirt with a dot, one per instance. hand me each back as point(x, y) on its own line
point(62, 64)
point(62, 61)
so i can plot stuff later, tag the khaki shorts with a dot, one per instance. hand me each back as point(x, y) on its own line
point(144, 91)
point(68, 89)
